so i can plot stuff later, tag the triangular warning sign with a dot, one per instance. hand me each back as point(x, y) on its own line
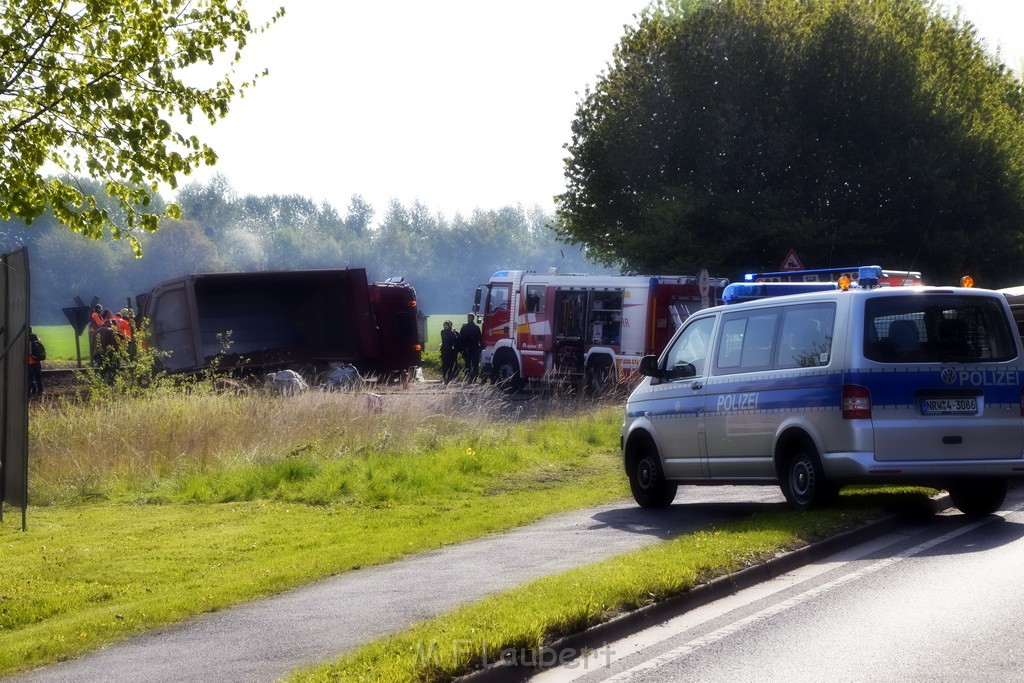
point(791, 262)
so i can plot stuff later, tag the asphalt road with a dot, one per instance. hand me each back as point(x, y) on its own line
point(267, 639)
point(933, 600)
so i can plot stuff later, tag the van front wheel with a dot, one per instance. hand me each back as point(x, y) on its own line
point(648, 483)
point(804, 483)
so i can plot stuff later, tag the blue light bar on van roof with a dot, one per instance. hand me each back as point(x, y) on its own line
point(815, 274)
point(868, 276)
point(739, 292)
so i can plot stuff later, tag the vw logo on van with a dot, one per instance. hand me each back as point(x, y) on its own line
point(948, 375)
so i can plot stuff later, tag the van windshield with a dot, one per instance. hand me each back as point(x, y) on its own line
point(937, 328)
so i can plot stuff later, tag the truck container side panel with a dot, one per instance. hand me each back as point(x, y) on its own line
point(171, 328)
point(292, 315)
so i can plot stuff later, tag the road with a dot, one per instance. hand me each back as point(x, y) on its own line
point(266, 639)
point(938, 599)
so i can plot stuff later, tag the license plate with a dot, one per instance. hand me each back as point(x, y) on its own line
point(949, 406)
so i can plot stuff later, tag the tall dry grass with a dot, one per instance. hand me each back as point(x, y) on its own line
point(95, 449)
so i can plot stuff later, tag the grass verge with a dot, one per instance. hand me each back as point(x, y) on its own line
point(522, 621)
point(162, 508)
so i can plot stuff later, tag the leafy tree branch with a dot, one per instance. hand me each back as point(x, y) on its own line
point(98, 89)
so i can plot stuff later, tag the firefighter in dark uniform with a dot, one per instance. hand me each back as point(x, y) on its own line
point(471, 340)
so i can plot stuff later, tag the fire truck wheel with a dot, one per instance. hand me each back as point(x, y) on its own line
point(599, 376)
point(506, 373)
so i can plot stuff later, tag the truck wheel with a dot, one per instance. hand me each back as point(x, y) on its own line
point(978, 497)
point(599, 376)
point(505, 373)
point(803, 481)
point(647, 481)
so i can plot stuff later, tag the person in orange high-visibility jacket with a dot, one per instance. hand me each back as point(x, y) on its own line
point(95, 319)
point(123, 326)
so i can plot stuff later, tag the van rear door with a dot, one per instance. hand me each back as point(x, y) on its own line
point(948, 361)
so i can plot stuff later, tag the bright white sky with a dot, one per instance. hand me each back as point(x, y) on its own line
point(461, 104)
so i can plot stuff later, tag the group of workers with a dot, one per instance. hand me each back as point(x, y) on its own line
point(468, 341)
point(109, 335)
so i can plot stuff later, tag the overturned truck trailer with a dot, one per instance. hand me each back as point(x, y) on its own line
point(251, 321)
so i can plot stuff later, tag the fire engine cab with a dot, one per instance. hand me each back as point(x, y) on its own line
point(590, 327)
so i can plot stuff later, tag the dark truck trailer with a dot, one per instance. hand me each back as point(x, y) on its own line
point(274, 319)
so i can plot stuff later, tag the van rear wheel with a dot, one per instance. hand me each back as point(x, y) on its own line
point(648, 483)
point(803, 481)
point(978, 497)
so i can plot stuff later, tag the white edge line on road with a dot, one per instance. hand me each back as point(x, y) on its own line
point(612, 652)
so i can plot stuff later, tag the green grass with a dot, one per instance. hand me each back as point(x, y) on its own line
point(534, 615)
point(159, 507)
point(134, 542)
point(435, 324)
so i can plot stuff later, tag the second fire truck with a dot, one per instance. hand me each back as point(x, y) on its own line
point(590, 327)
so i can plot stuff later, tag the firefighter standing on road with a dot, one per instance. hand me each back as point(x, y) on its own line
point(471, 340)
point(449, 351)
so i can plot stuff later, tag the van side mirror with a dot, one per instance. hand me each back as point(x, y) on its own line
point(681, 371)
point(649, 368)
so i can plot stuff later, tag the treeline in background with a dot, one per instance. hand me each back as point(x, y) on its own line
point(444, 258)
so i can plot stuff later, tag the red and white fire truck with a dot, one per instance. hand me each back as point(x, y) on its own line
point(591, 327)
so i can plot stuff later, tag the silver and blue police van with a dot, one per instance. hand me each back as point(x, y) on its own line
point(814, 390)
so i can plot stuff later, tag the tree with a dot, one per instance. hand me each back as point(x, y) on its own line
point(727, 131)
point(92, 88)
point(213, 205)
point(359, 216)
point(179, 248)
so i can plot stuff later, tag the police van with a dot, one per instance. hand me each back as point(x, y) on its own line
point(851, 384)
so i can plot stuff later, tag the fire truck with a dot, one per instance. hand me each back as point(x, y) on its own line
point(594, 328)
point(889, 278)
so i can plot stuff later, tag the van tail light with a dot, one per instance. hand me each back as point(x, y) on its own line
point(857, 402)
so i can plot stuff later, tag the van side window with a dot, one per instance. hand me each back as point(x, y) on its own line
point(937, 329)
point(691, 346)
point(806, 338)
point(746, 340)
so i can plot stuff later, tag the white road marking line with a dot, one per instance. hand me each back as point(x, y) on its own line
point(612, 652)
